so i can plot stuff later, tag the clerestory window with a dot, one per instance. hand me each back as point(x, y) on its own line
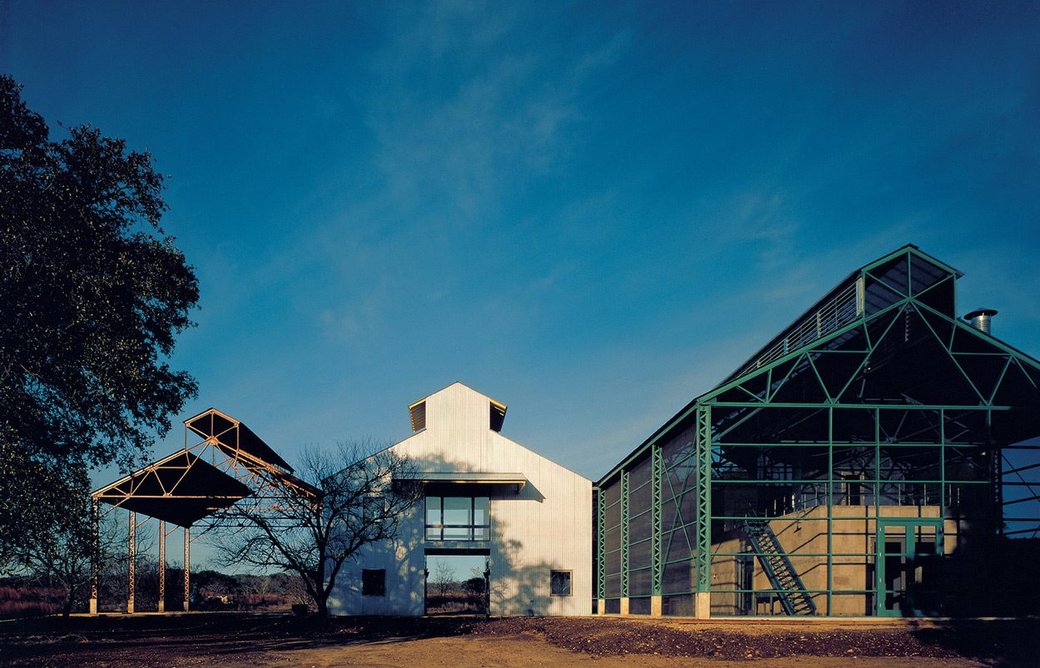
point(458, 518)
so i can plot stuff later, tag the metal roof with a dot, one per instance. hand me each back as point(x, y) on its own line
point(180, 488)
point(228, 465)
point(893, 279)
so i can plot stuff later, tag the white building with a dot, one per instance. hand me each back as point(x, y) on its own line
point(488, 500)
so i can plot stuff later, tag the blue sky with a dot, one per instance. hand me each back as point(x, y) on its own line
point(591, 212)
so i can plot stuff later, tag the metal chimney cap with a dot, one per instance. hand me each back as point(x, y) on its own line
point(981, 311)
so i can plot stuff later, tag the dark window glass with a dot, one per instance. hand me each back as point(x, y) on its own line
point(373, 582)
point(560, 583)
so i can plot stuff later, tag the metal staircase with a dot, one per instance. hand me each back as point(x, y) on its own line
point(784, 578)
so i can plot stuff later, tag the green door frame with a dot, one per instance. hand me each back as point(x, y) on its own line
point(909, 551)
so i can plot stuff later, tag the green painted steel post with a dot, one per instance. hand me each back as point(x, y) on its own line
point(624, 534)
point(703, 456)
point(657, 558)
point(601, 521)
point(830, 511)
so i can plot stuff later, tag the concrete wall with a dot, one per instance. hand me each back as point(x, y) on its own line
point(805, 533)
point(547, 525)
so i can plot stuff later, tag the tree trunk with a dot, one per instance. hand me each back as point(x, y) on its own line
point(323, 606)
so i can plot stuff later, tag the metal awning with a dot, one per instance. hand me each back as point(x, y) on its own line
point(486, 478)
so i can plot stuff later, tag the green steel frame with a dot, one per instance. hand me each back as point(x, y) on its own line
point(624, 533)
point(601, 525)
point(704, 446)
point(962, 396)
point(657, 558)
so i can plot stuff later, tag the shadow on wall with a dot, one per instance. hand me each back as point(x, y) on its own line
point(518, 586)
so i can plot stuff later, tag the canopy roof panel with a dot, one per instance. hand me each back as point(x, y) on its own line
point(234, 437)
point(180, 489)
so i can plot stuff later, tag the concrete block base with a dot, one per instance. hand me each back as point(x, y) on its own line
point(93, 606)
point(655, 606)
point(702, 605)
point(624, 605)
point(601, 606)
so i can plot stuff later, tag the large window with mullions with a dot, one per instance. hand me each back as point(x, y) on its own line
point(458, 518)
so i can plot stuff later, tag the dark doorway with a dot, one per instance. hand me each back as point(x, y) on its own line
point(907, 557)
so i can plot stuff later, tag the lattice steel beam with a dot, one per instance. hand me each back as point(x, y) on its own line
point(703, 456)
point(624, 533)
point(656, 556)
point(601, 549)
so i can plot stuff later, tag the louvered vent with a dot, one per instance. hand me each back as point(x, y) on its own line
point(417, 413)
point(498, 415)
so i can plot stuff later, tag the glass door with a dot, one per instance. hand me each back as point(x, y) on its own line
point(906, 554)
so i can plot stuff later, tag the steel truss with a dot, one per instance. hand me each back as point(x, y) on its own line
point(229, 465)
point(878, 397)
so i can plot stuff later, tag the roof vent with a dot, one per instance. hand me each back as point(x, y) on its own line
point(498, 415)
point(417, 415)
point(980, 318)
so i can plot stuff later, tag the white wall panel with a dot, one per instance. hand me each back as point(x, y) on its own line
point(548, 525)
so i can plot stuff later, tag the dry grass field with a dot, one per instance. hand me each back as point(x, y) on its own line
point(259, 640)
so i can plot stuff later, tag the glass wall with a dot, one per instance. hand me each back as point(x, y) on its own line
point(458, 518)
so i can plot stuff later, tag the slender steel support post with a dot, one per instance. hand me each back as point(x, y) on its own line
point(601, 521)
point(702, 606)
point(996, 466)
point(95, 553)
point(624, 537)
point(830, 511)
point(162, 566)
point(132, 561)
point(656, 538)
point(656, 491)
point(187, 564)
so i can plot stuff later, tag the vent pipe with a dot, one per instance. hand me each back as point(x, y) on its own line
point(980, 318)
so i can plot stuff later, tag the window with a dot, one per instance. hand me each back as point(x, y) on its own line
point(560, 583)
point(458, 518)
point(373, 582)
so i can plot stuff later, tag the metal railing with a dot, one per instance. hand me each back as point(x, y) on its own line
point(839, 311)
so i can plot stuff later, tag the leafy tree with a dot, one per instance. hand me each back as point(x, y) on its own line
point(60, 553)
point(311, 530)
point(93, 294)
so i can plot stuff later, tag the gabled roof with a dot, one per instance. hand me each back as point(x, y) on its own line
point(417, 409)
point(185, 487)
point(864, 304)
point(220, 429)
point(847, 301)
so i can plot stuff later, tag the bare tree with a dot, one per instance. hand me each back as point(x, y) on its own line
point(444, 577)
point(310, 529)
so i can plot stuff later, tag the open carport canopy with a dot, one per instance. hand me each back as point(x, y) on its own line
point(180, 489)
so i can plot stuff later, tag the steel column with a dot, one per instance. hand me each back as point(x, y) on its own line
point(132, 559)
point(656, 491)
point(624, 534)
point(162, 566)
point(703, 456)
point(187, 564)
point(95, 553)
point(601, 521)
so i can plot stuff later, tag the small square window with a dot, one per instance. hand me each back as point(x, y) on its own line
point(560, 583)
point(373, 582)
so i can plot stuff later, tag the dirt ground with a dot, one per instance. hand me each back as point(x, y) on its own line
point(241, 640)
